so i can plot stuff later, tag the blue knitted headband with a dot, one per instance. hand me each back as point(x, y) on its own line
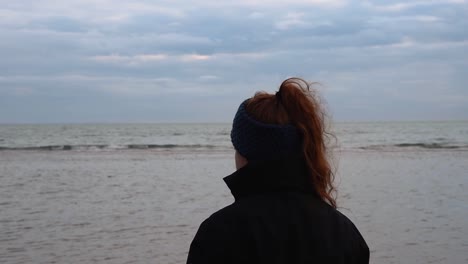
point(258, 141)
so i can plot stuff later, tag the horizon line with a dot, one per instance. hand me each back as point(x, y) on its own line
point(219, 122)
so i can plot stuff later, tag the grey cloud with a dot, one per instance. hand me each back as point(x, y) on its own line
point(59, 23)
point(198, 55)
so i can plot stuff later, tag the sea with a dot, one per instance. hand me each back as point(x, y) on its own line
point(352, 135)
point(136, 193)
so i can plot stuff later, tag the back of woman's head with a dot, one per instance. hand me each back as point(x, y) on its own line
point(296, 108)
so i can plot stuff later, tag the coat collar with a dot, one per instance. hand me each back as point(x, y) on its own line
point(270, 176)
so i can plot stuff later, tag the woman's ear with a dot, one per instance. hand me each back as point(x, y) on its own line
point(241, 161)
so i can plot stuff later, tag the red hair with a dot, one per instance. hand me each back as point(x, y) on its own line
point(296, 104)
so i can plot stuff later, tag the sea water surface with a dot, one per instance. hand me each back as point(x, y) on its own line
point(136, 193)
point(352, 135)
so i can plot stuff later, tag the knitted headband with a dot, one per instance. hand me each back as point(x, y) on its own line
point(258, 141)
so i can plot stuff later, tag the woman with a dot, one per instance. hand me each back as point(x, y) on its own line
point(284, 209)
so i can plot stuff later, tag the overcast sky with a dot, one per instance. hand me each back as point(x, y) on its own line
point(191, 61)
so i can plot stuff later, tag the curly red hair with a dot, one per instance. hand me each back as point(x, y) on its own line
point(298, 104)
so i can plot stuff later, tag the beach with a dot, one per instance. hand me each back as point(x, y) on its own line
point(145, 205)
point(118, 120)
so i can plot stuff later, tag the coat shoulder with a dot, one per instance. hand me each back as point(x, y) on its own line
point(217, 238)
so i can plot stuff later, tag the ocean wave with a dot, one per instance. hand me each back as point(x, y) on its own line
point(110, 147)
point(104, 147)
point(418, 145)
point(427, 145)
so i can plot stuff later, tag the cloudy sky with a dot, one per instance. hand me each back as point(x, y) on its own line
point(191, 61)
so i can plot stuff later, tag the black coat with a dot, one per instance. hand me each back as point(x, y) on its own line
point(276, 218)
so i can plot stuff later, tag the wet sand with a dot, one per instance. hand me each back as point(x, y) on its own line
point(144, 206)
